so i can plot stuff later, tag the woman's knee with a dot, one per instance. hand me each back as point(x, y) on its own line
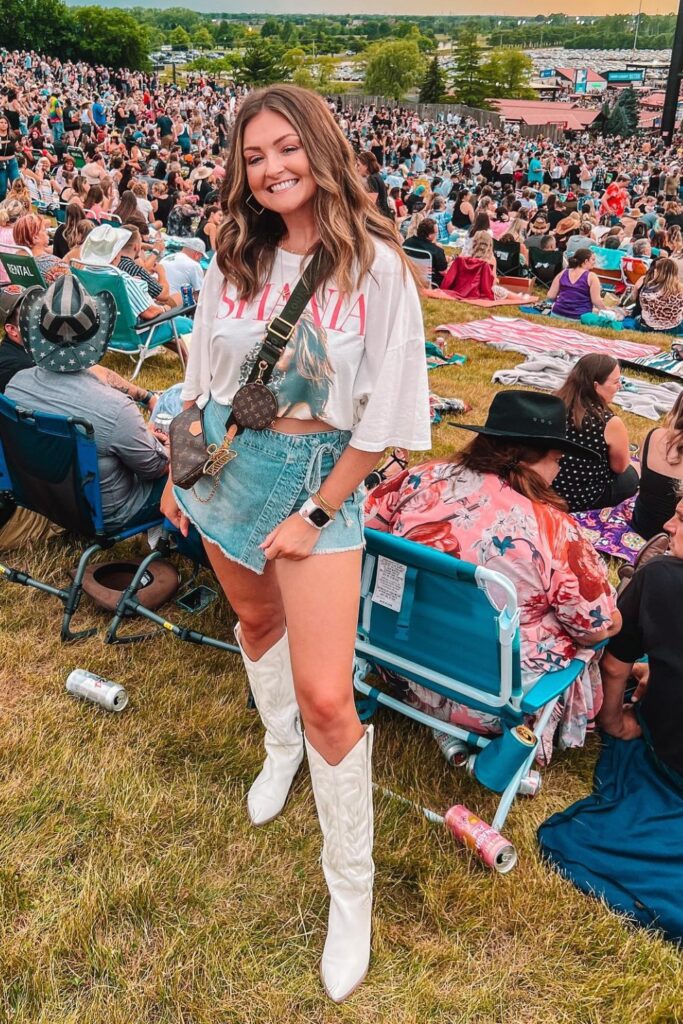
point(260, 621)
point(322, 709)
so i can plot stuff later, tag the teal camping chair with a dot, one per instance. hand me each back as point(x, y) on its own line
point(20, 266)
point(137, 340)
point(453, 627)
point(48, 464)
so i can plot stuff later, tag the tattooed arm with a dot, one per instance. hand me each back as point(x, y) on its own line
point(114, 380)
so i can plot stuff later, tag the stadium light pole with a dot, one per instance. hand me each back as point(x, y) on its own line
point(673, 82)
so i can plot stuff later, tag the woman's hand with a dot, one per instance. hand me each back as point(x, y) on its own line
point(170, 508)
point(293, 538)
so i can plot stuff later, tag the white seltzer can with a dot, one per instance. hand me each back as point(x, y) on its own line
point(109, 695)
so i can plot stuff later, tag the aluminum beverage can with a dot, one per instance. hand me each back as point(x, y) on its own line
point(490, 846)
point(454, 750)
point(530, 784)
point(104, 692)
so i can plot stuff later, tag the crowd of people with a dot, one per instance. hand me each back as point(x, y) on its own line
point(213, 194)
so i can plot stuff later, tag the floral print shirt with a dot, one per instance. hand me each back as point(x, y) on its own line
point(562, 586)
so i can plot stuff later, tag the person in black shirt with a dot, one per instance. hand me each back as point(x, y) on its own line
point(425, 242)
point(13, 355)
point(374, 182)
point(650, 608)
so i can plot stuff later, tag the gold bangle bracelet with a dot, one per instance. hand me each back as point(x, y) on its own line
point(325, 505)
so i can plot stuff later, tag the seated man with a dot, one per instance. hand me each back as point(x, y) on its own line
point(67, 331)
point(424, 243)
point(182, 269)
point(103, 248)
point(650, 611)
point(147, 268)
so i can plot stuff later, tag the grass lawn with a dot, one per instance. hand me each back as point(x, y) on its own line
point(134, 891)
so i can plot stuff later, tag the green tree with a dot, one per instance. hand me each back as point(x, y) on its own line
point(107, 36)
point(303, 78)
point(433, 85)
point(628, 103)
point(508, 73)
point(260, 65)
point(44, 25)
point(326, 71)
point(202, 39)
point(393, 68)
point(294, 58)
point(617, 123)
point(179, 38)
point(271, 27)
point(469, 82)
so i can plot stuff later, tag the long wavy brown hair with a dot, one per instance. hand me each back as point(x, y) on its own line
point(674, 432)
point(346, 217)
point(578, 391)
point(513, 461)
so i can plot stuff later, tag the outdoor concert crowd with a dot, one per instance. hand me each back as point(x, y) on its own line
point(119, 169)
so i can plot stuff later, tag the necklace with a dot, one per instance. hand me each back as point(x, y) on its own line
point(296, 252)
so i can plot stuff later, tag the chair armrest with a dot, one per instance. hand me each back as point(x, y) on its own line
point(551, 685)
point(170, 314)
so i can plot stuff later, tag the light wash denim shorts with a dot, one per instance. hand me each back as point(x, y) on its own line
point(271, 477)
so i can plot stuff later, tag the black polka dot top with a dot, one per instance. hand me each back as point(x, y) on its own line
point(581, 481)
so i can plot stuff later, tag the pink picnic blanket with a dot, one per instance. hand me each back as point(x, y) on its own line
point(510, 300)
point(517, 335)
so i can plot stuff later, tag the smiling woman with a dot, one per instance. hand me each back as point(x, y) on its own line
point(344, 376)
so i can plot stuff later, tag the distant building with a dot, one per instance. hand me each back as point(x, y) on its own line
point(568, 116)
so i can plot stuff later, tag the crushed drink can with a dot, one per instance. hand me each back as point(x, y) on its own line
point(104, 692)
point(454, 750)
point(490, 846)
point(530, 784)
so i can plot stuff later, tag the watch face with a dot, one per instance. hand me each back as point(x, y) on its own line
point(319, 517)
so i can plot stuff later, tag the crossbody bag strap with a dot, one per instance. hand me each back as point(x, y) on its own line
point(281, 328)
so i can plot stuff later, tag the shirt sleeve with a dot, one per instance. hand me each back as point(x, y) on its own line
point(580, 593)
point(391, 395)
point(628, 645)
point(132, 442)
point(198, 372)
point(381, 502)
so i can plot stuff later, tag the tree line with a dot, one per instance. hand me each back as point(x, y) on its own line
point(398, 52)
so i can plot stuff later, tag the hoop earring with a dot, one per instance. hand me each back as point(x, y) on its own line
point(254, 205)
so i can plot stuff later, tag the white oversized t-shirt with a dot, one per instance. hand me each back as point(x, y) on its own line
point(356, 362)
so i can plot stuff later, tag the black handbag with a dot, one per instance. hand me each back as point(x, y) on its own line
point(254, 405)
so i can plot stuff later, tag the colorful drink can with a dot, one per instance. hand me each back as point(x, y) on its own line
point(454, 750)
point(104, 692)
point(187, 294)
point(490, 846)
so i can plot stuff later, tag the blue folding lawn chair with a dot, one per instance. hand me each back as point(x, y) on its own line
point(135, 339)
point(452, 627)
point(48, 464)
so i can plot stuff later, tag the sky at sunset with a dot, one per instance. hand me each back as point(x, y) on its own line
point(521, 8)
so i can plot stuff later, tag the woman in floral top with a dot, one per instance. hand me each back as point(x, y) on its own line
point(493, 505)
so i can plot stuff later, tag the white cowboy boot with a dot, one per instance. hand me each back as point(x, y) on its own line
point(343, 798)
point(272, 687)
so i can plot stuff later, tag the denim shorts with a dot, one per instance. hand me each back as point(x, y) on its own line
point(272, 476)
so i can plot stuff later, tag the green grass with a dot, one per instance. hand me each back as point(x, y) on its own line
point(133, 890)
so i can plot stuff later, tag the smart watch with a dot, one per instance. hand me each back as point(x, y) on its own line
point(314, 514)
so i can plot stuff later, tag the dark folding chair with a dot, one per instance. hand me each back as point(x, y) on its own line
point(508, 259)
point(544, 266)
point(187, 547)
point(48, 464)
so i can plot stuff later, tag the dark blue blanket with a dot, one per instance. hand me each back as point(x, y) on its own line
point(625, 841)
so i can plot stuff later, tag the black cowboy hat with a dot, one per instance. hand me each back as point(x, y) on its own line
point(531, 418)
